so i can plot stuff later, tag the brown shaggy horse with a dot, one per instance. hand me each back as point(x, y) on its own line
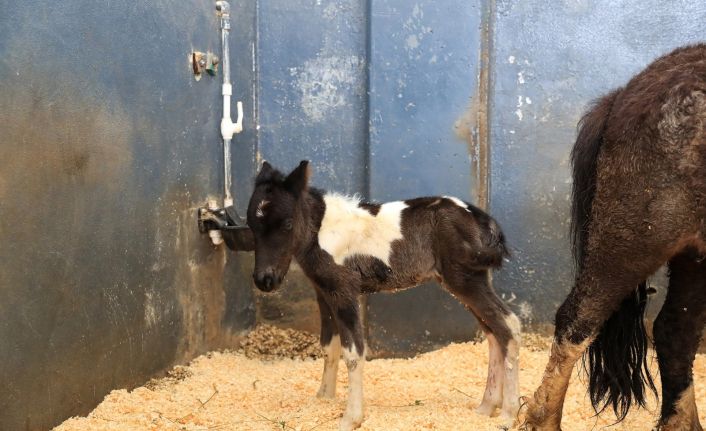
point(639, 195)
point(347, 247)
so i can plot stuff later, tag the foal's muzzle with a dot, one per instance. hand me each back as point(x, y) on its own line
point(266, 280)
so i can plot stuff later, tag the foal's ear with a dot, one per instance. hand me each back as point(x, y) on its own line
point(298, 180)
point(265, 173)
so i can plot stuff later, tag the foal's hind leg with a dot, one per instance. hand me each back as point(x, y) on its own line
point(331, 345)
point(493, 395)
point(677, 332)
point(502, 328)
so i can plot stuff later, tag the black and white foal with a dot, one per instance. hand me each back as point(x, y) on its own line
point(347, 247)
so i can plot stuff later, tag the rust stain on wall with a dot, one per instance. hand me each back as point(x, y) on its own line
point(473, 125)
point(469, 128)
point(64, 147)
point(198, 279)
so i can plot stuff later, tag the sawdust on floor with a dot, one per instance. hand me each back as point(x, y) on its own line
point(433, 391)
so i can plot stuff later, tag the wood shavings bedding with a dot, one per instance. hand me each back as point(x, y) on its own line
point(433, 391)
point(270, 342)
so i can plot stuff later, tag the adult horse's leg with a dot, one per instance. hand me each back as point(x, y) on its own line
point(612, 270)
point(502, 329)
point(677, 332)
point(331, 345)
point(347, 314)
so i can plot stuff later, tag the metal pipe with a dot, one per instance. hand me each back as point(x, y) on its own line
point(228, 128)
point(225, 62)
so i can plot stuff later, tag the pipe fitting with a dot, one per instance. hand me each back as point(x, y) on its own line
point(223, 9)
point(228, 127)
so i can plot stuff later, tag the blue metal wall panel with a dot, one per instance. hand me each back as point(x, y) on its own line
point(110, 145)
point(550, 59)
point(424, 68)
point(311, 104)
point(312, 88)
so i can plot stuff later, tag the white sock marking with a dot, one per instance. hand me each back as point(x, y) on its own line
point(353, 416)
point(511, 383)
point(332, 354)
point(493, 395)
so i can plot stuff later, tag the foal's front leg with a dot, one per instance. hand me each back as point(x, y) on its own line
point(351, 333)
point(331, 345)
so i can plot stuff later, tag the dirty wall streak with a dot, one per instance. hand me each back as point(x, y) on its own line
point(108, 145)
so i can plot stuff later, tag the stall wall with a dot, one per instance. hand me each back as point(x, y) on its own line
point(109, 145)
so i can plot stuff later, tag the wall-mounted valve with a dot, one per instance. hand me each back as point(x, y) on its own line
point(236, 234)
point(204, 62)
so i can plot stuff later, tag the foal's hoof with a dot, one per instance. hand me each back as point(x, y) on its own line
point(509, 417)
point(349, 424)
point(486, 409)
point(326, 394)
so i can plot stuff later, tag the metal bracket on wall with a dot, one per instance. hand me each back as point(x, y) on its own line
point(204, 62)
point(236, 234)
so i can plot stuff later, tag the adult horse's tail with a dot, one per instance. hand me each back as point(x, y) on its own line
point(616, 361)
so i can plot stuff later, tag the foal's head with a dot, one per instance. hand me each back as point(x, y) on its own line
point(274, 219)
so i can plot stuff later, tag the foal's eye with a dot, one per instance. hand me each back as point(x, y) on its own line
point(287, 224)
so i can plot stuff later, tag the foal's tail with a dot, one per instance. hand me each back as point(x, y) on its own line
point(616, 361)
point(493, 249)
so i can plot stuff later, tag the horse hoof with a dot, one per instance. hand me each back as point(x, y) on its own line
point(535, 417)
point(486, 409)
point(509, 418)
point(528, 426)
point(507, 423)
point(510, 410)
point(326, 395)
point(349, 424)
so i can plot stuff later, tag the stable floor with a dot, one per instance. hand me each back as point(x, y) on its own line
point(434, 391)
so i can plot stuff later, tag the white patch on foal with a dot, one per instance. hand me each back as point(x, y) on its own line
point(458, 202)
point(260, 211)
point(347, 229)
